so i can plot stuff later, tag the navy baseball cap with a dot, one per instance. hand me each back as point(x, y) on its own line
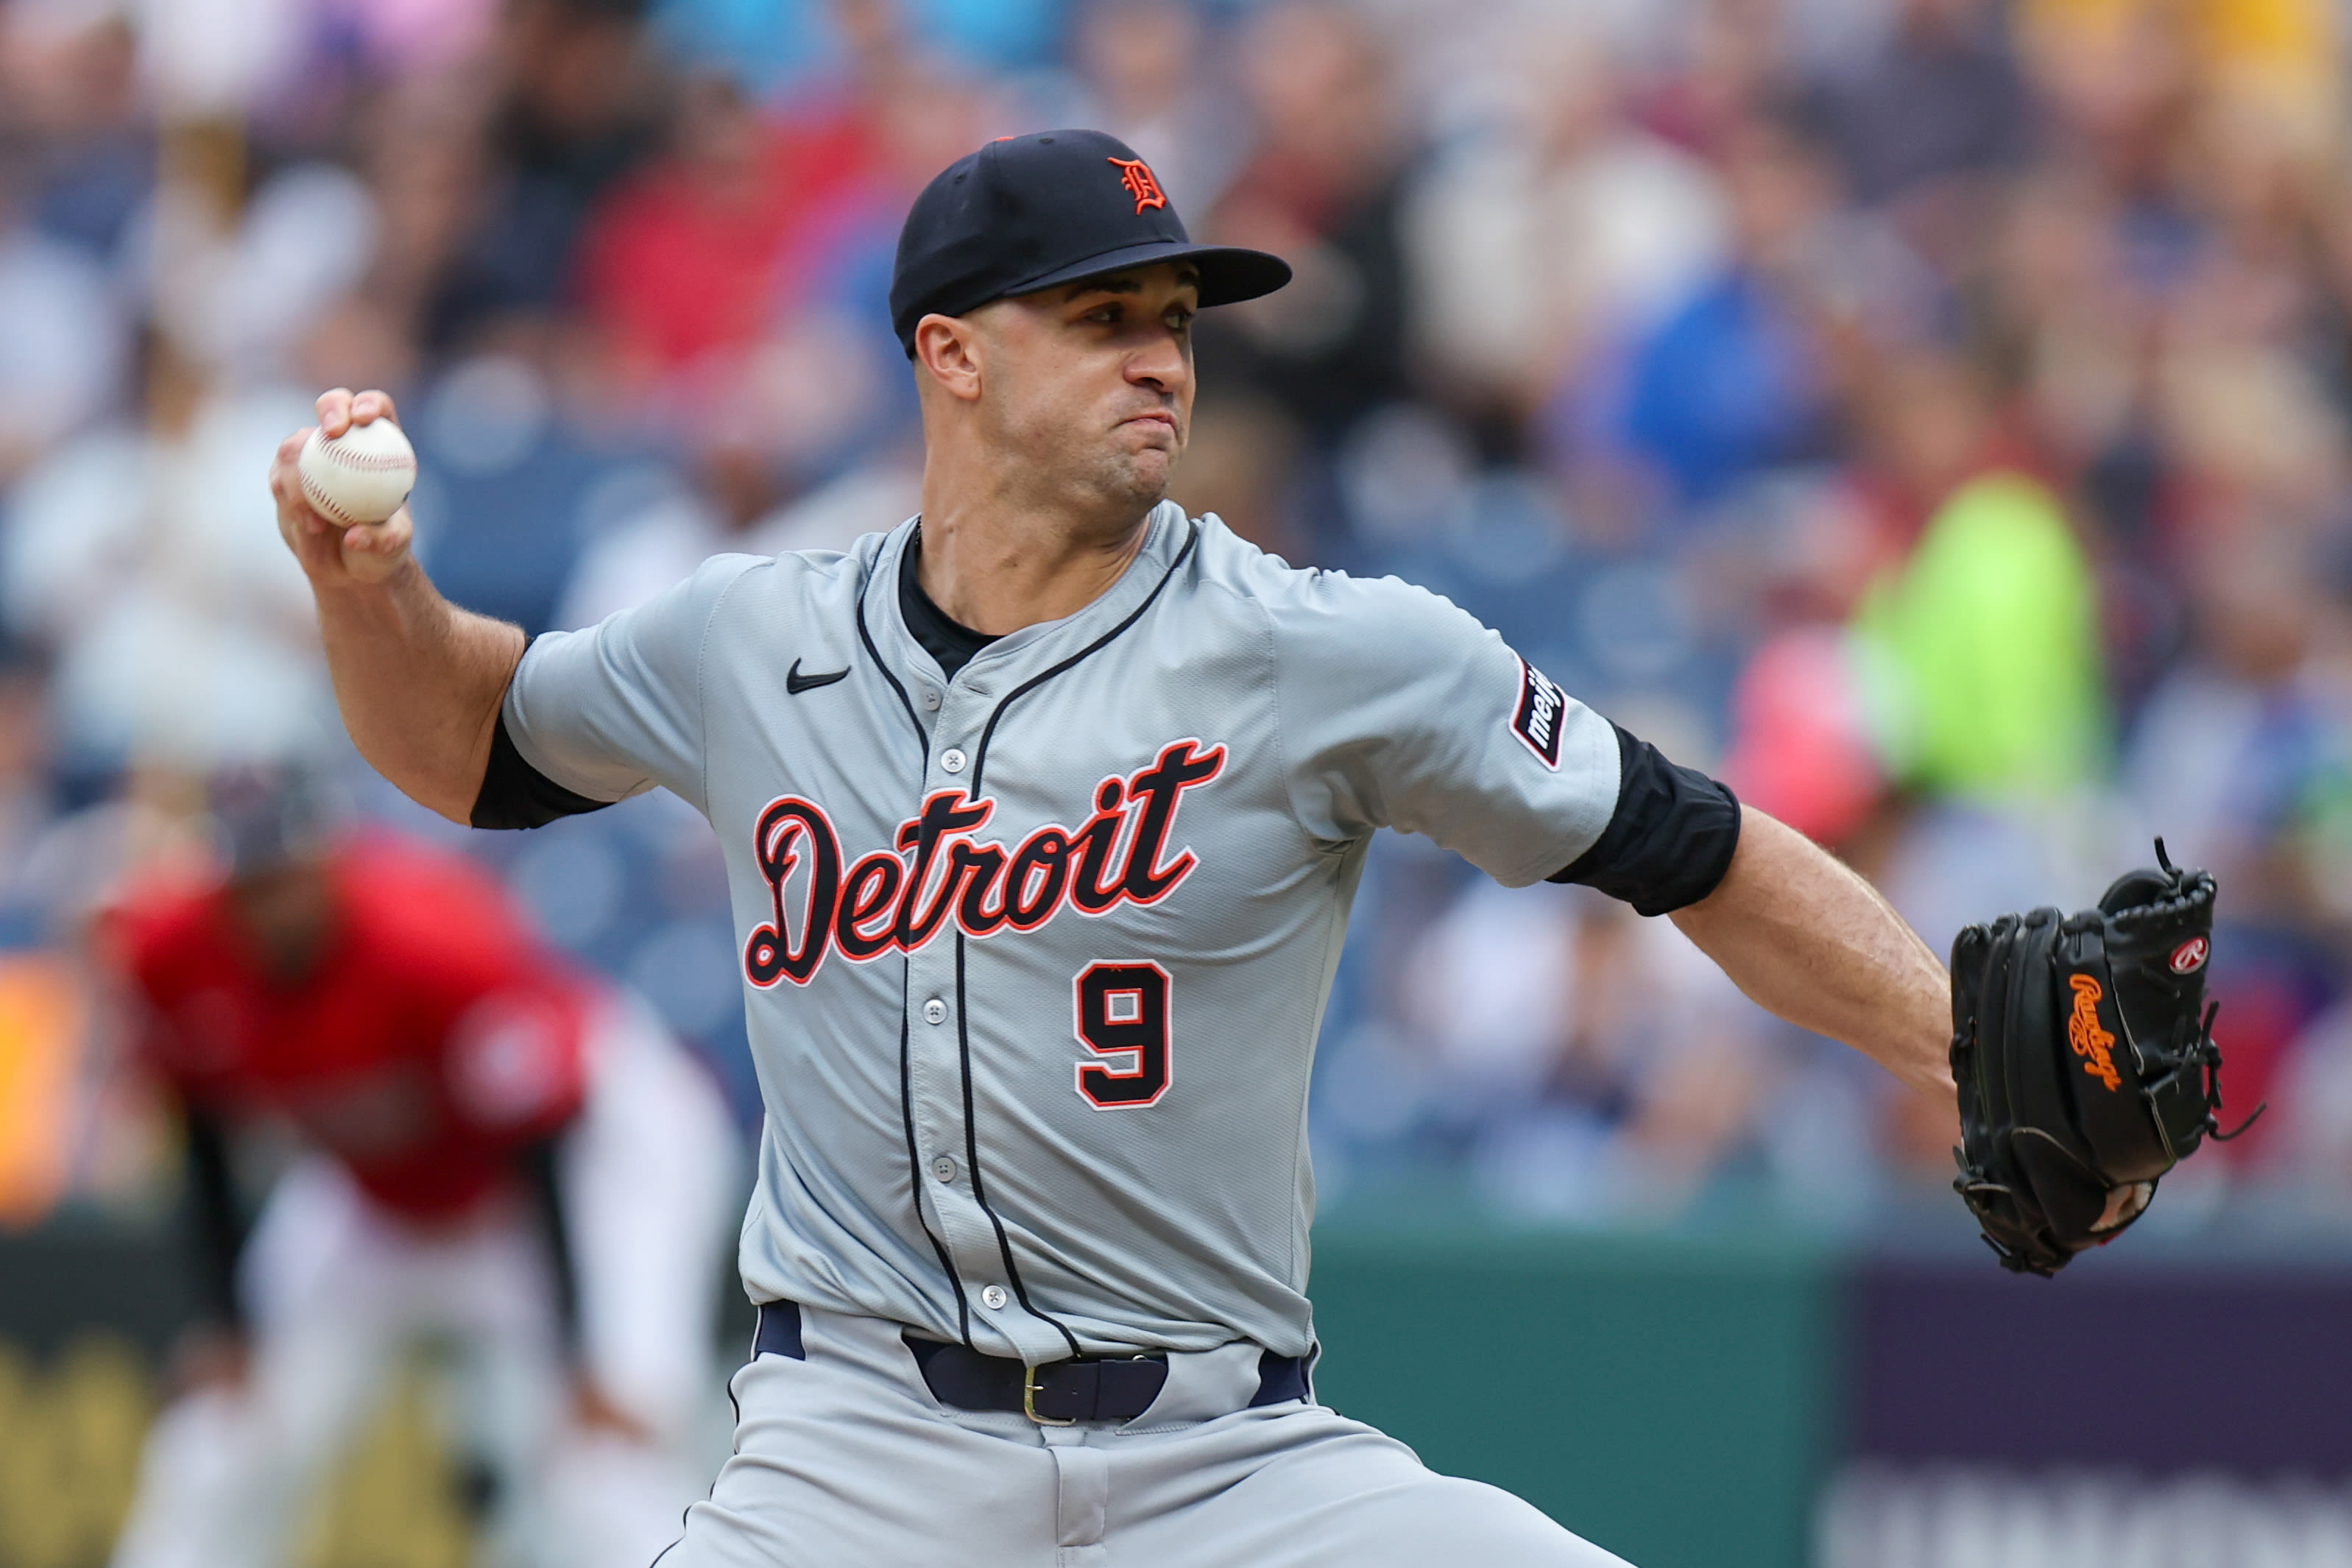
point(1031, 212)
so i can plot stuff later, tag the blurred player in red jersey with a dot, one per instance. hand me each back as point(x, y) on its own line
point(495, 1153)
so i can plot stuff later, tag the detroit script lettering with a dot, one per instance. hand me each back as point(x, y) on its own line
point(898, 900)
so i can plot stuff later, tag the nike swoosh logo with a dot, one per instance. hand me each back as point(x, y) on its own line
point(796, 683)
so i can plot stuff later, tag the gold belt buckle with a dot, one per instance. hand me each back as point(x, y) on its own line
point(1029, 1402)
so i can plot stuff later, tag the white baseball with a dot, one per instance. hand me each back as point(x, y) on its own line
point(359, 475)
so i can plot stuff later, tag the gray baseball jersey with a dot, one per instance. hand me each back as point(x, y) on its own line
point(1034, 957)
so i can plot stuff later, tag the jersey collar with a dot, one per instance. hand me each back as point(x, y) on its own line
point(1031, 646)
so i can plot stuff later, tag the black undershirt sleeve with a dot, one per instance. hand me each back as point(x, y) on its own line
point(516, 794)
point(218, 1221)
point(539, 1161)
point(1670, 840)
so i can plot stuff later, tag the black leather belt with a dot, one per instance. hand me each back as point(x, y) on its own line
point(1058, 1393)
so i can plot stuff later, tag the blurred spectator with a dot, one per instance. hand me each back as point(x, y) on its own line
point(1942, 101)
point(677, 529)
point(1593, 1063)
point(2281, 59)
point(779, 47)
point(145, 563)
point(63, 357)
point(1988, 651)
point(695, 256)
point(579, 106)
point(1736, 379)
point(1732, 59)
point(1322, 187)
point(1803, 750)
point(1145, 74)
point(67, 87)
point(307, 240)
point(1562, 232)
point(507, 486)
point(401, 38)
point(2242, 758)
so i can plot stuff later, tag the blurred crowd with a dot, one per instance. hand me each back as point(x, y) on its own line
point(1929, 415)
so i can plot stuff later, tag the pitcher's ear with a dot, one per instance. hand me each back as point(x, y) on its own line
point(947, 351)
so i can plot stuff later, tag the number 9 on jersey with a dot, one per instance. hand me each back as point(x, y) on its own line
point(1121, 1012)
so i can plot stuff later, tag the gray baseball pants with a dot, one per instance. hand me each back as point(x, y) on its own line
point(846, 1460)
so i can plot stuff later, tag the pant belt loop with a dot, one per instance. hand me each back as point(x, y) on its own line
point(1081, 1497)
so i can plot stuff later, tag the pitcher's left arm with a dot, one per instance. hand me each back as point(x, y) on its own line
point(1809, 940)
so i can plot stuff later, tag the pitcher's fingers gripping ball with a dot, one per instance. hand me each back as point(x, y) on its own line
point(342, 489)
point(2085, 1059)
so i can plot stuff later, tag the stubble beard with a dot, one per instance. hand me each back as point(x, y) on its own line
point(1135, 482)
point(1074, 467)
point(1115, 488)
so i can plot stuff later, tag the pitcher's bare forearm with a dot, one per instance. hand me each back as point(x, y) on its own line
point(1809, 940)
point(419, 681)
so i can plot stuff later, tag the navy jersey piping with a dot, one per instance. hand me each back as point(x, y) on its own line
point(905, 702)
point(979, 752)
point(915, 1167)
point(905, 1071)
point(971, 1157)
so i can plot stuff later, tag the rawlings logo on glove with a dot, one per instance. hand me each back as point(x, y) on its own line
point(2084, 1033)
point(2049, 1164)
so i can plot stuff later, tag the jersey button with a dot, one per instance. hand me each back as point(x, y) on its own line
point(935, 1011)
point(943, 1168)
point(930, 700)
point(951, 760)
point(993, 1297)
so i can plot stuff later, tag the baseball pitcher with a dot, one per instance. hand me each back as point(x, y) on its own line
point(1042, 811)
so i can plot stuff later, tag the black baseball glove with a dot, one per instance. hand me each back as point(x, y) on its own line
point(2086, 1060)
